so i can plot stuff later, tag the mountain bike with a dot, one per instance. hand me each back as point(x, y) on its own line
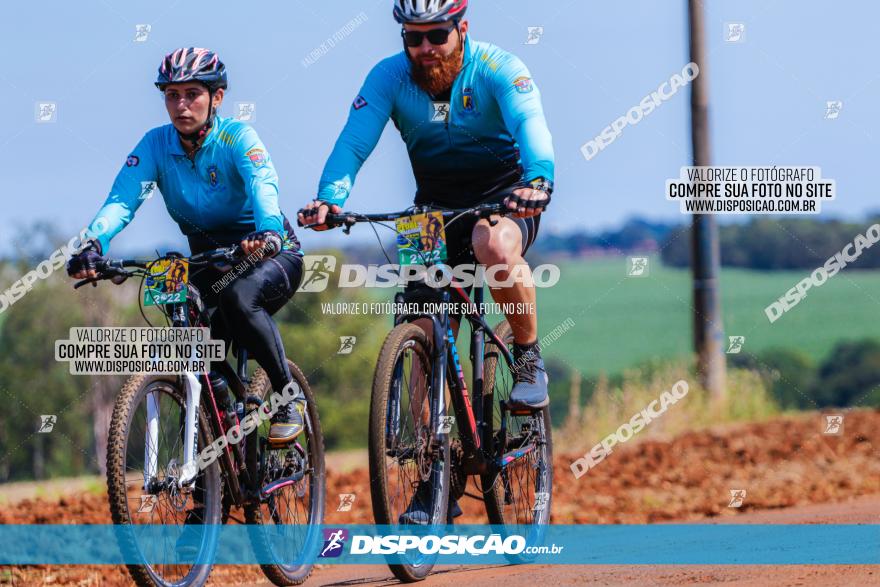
point(410, 437)
point(162, 423)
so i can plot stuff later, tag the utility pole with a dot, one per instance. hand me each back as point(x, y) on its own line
point(708, 330)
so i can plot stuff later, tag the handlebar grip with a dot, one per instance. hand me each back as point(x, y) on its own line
point(337, 219)
point(330, 220)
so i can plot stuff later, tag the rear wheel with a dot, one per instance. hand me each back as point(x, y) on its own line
point(518, 494)
point(403, 454)
point(291, 486)
point(145, 454)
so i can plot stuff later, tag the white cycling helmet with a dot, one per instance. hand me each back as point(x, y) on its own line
point(428, 11)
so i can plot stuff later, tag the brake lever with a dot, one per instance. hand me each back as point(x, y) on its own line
point(79, 284)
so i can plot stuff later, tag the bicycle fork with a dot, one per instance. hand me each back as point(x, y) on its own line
point(188, 469)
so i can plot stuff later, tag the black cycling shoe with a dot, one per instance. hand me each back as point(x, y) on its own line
point(454, 509)
point(288, 422)
point(530, 387)
point(417, 512)
point(187, 545)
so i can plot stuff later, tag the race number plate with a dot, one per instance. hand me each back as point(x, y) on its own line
point(166, 282)
point(421, 239)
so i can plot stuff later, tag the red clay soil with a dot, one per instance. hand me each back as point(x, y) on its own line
point(781, 463)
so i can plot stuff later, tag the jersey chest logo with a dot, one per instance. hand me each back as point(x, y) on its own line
point(214, 183)
point(467, 98)
point(468, 103)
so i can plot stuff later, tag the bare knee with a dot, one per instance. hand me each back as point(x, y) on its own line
point(497, 245)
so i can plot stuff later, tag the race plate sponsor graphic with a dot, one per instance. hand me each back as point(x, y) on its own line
point(166, 282)
point(421, 239)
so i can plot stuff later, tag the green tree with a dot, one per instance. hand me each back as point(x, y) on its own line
point(850, 376)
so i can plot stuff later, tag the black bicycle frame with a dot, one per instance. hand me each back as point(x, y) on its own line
point(476, 437)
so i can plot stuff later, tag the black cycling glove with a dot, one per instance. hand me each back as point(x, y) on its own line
point(85, 260)
point(529, 204)
point(312, 213)
point(270, 237)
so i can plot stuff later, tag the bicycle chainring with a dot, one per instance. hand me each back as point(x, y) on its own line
point(457, 478)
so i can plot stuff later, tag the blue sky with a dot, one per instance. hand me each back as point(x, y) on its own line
point(595, 61)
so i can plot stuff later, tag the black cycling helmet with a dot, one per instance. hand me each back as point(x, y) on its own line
point(428, 11)
point(194, 64)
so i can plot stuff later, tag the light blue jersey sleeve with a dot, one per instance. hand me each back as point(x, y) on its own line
point(367, 117)
point(260, 179)
point(134, 184)
point(520, 103)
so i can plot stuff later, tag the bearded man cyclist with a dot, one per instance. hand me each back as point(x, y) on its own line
point(220, 186)
point(474, 127)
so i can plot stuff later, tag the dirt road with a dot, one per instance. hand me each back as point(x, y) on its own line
point(790, 470)
point(864, 510)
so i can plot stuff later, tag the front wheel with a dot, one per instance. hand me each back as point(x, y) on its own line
point(289, 505)
point(145, 453)
point(518, 491)
point(408, 469)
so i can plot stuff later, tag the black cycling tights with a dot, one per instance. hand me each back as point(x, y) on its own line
point(245, 305)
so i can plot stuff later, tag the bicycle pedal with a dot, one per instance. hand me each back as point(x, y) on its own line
point(279, 444)
point(523, 411)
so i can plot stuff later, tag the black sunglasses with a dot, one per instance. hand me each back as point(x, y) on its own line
point(435, 36)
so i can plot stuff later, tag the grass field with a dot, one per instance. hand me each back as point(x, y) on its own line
point(622, 320)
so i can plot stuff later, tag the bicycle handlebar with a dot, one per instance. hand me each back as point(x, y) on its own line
point(118, 268)
point(349, 219)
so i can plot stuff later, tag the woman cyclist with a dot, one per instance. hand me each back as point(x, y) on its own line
point(220, 186)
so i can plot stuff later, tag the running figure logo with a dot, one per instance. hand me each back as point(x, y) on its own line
point(441, 112)
point(147, 189)
point(334, 540)
point(833, 424)
point(317, 272)
point(832, 109)
point(246, 111)
point(735, 344)
point(737, 496)
point(445, 426)
point(148, 502)
point(46, 112)
point(346, 345)
point(535, 34)
point(734, 32)
point(47, 423)
point(638, 267)
point(141, 32)
point(541, 499)
point(346, 500)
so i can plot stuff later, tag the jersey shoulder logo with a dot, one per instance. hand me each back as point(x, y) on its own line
point(132, 161)
point(359, 103)
point(523, 84)
point(257, 157)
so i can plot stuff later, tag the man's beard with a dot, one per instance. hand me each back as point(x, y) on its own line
point(436, 79)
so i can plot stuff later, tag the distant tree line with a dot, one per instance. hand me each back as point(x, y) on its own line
point(774, 244)
point(761, 243)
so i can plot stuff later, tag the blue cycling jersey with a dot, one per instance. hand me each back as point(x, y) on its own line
point(227, 191)
point(489, 131)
